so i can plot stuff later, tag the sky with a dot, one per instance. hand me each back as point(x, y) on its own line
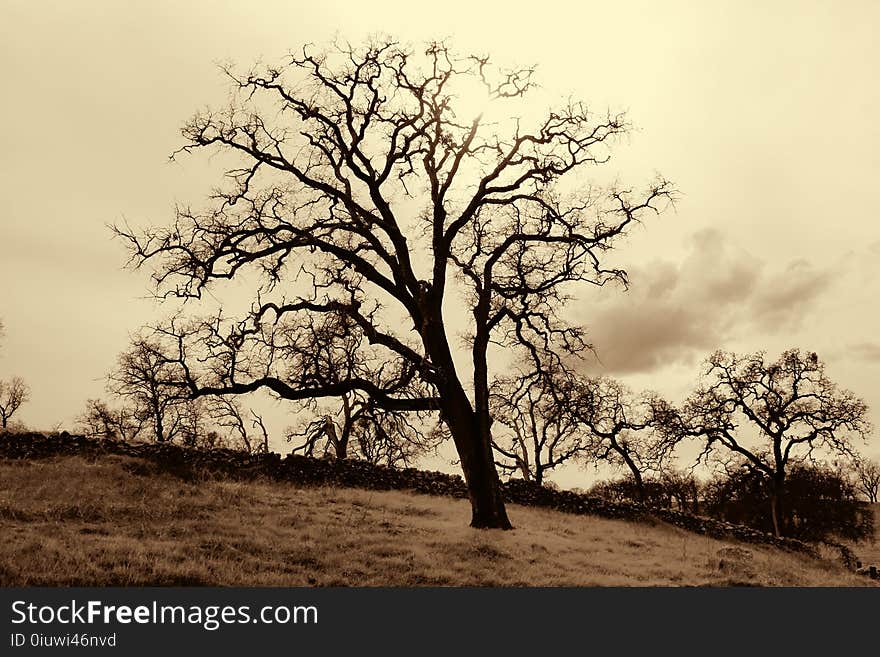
point(762, 114)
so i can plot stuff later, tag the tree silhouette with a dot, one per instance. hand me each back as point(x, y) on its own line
point(365, 189)
point(619, 426)
point(13, 394)
point(99, 420)
point(154, 403)
point(821, 501)
point(535, 429)
point(241, 424)
point(772, 414)
point(359, 428)
point(866, 476)
point(331, 349)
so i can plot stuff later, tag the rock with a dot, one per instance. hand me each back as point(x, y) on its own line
point(735, 553)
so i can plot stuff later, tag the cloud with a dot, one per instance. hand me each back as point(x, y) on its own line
point(865, 351)
point(786, 296)
point(650, 338)
point(675, 313)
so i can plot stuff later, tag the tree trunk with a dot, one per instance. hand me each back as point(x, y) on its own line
point(477, 463)
point(640, 484)
point(160, 430)
point(470, 429)
point(340, 445)
point(774, 513)
point(484, 488)
point(777, 510)
point(473, 442)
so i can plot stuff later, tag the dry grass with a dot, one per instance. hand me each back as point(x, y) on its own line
point(115, 521)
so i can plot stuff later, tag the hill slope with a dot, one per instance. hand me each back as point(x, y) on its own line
point(116, 520)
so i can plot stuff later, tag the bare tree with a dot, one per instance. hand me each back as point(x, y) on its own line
point(363, 184)
point(772, 414)
point(101, 421)
point(150, 385)
point(229, 414)
point(619, 427)
point(13, 394)
point(195, 426)
point(361, 429)
point(866, 475)
point(535, 430)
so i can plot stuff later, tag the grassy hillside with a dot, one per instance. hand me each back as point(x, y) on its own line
point(117, 521)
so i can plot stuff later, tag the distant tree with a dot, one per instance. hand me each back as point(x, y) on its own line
point(363, 185)
point(201, 423)
point(397, 439)
point(329, 350)
point(360, 430)
point(99, 420)
point(772, 414)
point(195, 427)
point(153, 405)
point(670, 490)
point(619, 427)
point(535, 430)
point(681, 490)
point(150, 385)
point(549, 415)
point(241, 424)
point(13, 393)
point(866, 475)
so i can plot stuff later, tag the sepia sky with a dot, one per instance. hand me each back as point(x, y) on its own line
point(763, 114)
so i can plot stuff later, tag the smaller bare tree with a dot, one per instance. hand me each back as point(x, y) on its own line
point(396, 439)
point(535, 431)
point(150, 385)
point(324, 350)
point(13, 394)
point(620, 426)
point(357, 427)
point(241, 424)
point(99, 420)
point(866, 476)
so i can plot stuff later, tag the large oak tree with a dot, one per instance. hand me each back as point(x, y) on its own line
point(367, 185)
